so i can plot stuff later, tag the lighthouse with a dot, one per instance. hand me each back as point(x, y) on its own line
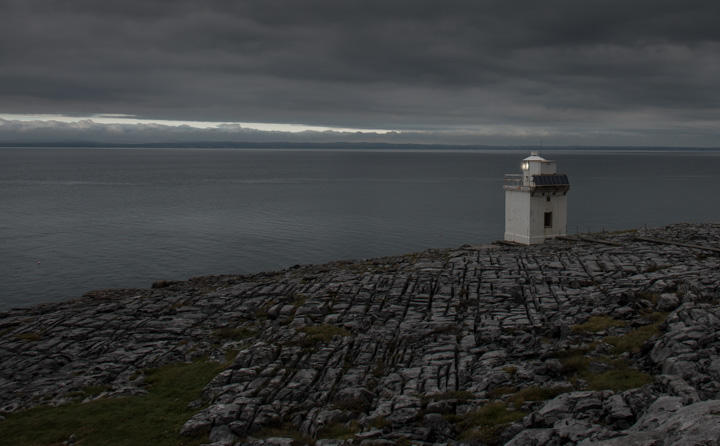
point(535, 202)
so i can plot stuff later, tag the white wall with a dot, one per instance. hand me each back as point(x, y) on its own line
point(517, 216)
point(525, 217)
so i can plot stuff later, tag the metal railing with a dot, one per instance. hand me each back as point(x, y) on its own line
point(513, 179)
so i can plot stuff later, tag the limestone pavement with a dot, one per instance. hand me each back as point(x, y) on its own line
point(475, 345)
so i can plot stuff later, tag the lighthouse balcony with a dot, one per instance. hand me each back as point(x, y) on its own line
point(516, 182)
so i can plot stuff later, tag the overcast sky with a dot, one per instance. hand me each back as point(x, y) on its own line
point(482, 72)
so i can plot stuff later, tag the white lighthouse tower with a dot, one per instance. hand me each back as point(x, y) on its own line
point(535, 202)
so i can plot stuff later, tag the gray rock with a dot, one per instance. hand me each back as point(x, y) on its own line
point(372, 433)
point(618, 413)
point(657, 414)
point(667, 302)
point(569, 429)
point(696, 424)
point(403, 417)
point(279, 441)
point(563, 406)
point(195, 425)
point(532, 437)
point(441, 407)
point(222, 435)
point(331, 442)
point(438, 429)
point(677, 386)
point(377, 442)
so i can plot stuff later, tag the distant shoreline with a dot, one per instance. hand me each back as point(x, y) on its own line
point(340, 145)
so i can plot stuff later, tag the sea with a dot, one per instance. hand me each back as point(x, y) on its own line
point(79, 219)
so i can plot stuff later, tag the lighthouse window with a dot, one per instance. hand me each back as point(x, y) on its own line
point(548, 199)
point(548, 219)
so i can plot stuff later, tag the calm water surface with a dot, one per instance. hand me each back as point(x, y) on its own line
point(72, 220)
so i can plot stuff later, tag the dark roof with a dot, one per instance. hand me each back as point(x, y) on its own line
point(554, 179)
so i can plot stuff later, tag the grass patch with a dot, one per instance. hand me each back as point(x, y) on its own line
point(651, 297)
point(154, 418)
point(355, 405)
point(632, 341)
point(381, 423)
point(340, 431)
point(180, 304)
point(574, 362)
point(500, 391)
point(315, 334)
point(598, 323)
point(624, 231)
point(380, 369)
point(29, 336)
point(234, 334)
point(536, 394)
point(487, 423)
point(620, 379)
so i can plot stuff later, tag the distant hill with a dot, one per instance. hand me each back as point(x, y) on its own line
point(333, 145)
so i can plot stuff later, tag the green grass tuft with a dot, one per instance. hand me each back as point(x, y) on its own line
point(536, 394)
point(339, 431)
point(632, 341)
point(29, 336)
point(620, 379)
point(234, 334)
point(486, 423)
point(491, 414)
point(381, 423)
point(154, 418)
point(500, 391)
point(651, 297)
point(598, 323)
point(318, 333)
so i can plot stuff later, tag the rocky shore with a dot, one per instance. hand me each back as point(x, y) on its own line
point(602, 339)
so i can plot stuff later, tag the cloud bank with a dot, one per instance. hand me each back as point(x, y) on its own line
point(628, 71)
point(87, 131)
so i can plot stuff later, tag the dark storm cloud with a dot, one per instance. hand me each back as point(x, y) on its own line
point(562, 66)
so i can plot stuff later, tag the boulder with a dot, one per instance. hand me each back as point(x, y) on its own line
point(667, 302)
